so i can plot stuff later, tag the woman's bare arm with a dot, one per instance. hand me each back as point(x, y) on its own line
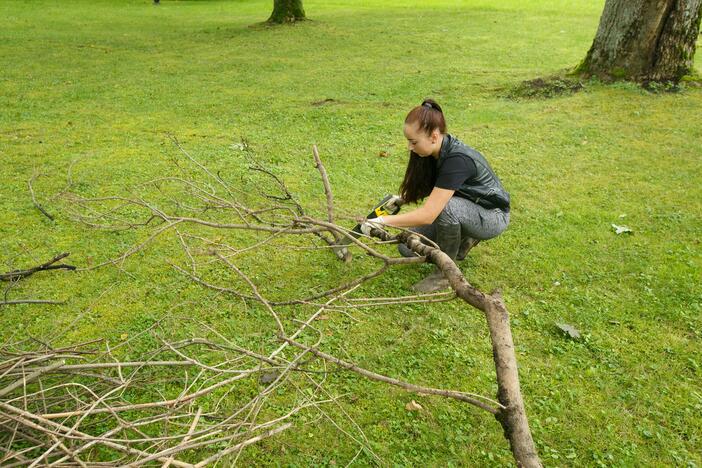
point(425, 214)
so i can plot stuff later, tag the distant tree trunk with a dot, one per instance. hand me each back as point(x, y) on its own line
point(644, 40)
point(287, 11)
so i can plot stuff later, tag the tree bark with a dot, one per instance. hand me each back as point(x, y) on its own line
point(287, 11)
point(644, 40)
point(513, 418)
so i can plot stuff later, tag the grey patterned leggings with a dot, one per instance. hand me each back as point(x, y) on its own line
point(460, 219)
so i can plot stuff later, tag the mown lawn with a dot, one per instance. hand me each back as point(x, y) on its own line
point(102, 83)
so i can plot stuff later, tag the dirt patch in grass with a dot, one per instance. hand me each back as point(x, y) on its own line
point(323, 102)
point(545, 88)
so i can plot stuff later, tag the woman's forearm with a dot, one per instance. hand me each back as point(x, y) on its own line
point(418, 217)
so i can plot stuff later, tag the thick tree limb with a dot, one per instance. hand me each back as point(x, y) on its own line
point(512, 415)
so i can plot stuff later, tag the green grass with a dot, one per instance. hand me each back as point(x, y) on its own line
point(102, 82)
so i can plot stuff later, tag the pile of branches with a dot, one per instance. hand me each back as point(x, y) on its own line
point(73, 405)
point(216, 224)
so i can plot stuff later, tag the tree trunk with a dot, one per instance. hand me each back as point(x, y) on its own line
point(644, 40)
point(287, 11)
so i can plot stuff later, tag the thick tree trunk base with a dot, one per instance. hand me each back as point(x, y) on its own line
point(286, 12)
point(644, 41)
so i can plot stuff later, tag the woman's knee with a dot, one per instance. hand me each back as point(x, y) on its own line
point(491, 224)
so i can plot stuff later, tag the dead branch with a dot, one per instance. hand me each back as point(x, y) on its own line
point(31, 301)
point(471, 398)
point(327, 187)
point(339, 249)
point(241, 445)
point(305, 300)
point(19, 274)
point(187, 437)
point(211, 204)
point(512, 415)
point(34, 199)
point(34, 375)
point(343, 254)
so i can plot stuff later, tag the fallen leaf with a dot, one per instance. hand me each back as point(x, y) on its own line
point(124, 336)
point(569, 330)
point(413, 406)
point(621, 229)
point(383, 154)
point(239, 146)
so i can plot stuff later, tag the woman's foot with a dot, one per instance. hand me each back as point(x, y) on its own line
point(435, 281)
point(466, 244)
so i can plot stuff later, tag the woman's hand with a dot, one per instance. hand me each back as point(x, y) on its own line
point(394, 204)
point(374, 223)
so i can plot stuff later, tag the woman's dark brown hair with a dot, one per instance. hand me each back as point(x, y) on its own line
point(420, 175)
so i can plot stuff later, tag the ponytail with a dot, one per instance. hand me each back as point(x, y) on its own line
point(429, 116)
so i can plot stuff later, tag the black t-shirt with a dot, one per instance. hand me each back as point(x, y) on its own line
point(453, 170)
point(467, 172)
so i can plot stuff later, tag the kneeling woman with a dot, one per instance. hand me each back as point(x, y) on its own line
point(466, 203)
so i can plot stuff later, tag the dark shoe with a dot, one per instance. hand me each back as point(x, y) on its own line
point(435, 281)
point(466, 244)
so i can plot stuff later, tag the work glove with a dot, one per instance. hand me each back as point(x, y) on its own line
point(393, 205)
point(375, 223)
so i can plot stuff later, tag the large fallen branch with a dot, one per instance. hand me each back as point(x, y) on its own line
point(511, 414)
point(208, 204)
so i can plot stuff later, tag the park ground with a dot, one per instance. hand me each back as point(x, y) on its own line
point(100, 85)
